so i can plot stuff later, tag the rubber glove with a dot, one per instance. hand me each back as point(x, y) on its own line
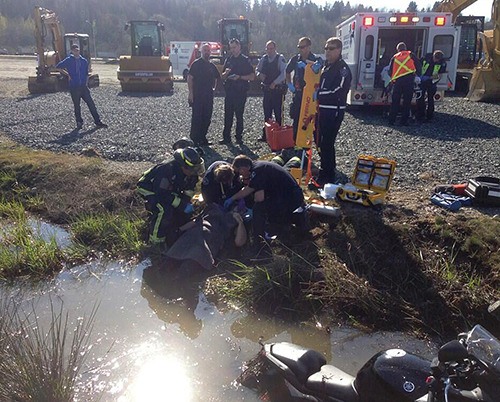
point(228, 203)
point(417, 80)
point(315, 95)
point(301, 64)
point(248, 215)
point(291, 87)
point(316, 67)
point(189, 209)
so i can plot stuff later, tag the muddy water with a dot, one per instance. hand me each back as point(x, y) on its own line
point(157, 338)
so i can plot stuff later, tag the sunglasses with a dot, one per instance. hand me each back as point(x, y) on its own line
point(331, 47)
point(302, 47)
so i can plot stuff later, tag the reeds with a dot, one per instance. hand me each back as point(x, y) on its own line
point(41, 363)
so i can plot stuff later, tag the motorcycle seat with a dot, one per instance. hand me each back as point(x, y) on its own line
point(332, 381)
point(301, 361)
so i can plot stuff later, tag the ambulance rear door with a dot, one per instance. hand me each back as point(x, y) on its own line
point(367, 53)
point(446, 39)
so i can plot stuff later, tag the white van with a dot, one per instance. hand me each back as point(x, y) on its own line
point(183, 53)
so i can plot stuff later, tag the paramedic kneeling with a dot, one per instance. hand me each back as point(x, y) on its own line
point(278, 199)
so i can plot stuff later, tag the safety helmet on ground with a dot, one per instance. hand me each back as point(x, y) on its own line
point(190, 159)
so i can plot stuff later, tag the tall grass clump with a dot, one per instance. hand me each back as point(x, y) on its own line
point(21, 251)
point(116, 234)
point(41, 363)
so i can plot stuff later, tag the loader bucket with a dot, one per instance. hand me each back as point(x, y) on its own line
point(484, 86)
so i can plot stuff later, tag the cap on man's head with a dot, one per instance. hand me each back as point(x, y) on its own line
point(75, 47)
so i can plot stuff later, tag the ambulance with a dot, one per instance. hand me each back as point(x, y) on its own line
point(369, 41)
point(183, 53)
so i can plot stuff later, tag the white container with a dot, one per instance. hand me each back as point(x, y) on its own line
point(329, 191)
point(324, 209)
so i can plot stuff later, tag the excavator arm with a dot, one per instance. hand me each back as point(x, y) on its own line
point(454, 6)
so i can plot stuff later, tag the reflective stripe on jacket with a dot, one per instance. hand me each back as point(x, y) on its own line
point(403, 64)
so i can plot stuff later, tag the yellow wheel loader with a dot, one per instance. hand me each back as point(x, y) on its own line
point(146, 69)
point(48, 78)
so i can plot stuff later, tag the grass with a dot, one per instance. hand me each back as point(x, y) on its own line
point(41, 364)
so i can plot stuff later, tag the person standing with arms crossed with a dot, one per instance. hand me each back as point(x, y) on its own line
point(296, 83)
point(77, 69)
point(271, 71)
point(237, 72)
point(332, 93)
point(202, 80)
point(404, 68)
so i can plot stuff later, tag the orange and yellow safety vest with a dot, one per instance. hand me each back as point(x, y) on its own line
point(402, 65)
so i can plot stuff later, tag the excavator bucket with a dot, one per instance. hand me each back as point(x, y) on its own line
point(46, 84)
point(484, 86)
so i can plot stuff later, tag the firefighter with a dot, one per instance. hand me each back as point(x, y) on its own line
point(332, 93)
point(405, 70)
point(433, 67)
point(219, 183)
point(296, 65)
point(271, 71)
point(167, 189)
point(278, 199)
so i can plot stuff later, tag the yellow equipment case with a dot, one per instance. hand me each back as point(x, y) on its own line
point(372, 178)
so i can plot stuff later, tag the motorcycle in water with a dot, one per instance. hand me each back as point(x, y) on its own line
point(466, 369)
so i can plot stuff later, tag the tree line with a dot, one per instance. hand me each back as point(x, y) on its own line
point(183, 19)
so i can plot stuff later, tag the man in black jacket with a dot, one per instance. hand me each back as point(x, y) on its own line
point(271, 71)
point(332, 93)
point(237, 72)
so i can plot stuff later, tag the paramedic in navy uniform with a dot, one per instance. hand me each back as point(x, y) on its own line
point(237, 72)
point(332, 93)
point(202, 79)
point(296, 65)
point(271, 71)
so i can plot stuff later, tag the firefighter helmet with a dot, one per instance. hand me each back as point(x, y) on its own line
point(182, 143)
point(190, 159)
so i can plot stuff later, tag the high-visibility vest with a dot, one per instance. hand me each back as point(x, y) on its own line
point(425, 66)
point(402, 65)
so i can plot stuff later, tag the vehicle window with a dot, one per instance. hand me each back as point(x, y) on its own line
point(445, 44)
point(369, 47)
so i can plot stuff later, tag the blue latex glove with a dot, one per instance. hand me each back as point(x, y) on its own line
point(316, 67)
point(315, 95)
point(301, 64)
point(248, 215)
point(189, 209)
point(291, 87)
point(228, 203)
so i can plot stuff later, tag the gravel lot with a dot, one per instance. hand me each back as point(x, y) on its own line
point(463, 142)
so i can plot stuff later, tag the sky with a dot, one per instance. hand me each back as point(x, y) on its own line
point(480, 7)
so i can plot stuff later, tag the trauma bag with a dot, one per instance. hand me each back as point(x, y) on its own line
point(371, 180)
point(484, 190)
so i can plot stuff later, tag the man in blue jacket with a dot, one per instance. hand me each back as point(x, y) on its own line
point(77, 68)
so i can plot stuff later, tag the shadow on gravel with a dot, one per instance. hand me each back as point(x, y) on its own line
point(73, 136)
point(211, 155)
point(444, 127)
point(374, 251)
point(146, 94)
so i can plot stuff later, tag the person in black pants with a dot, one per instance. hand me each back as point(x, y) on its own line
point(271, 71)
point(77, 69)
point(296, 65)
point(433, 67)
point(237, 72)
point(278, 199)
point(202, 79)
point(404, 67)
point(335, 82)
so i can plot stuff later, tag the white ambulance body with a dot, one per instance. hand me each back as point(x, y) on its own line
point(369, 41)
point(183, 53)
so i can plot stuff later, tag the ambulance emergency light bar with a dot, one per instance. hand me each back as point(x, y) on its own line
point(403, 19)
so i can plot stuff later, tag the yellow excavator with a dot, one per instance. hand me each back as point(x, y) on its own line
point(48, 78)
point(485, 82)
point(146, 69)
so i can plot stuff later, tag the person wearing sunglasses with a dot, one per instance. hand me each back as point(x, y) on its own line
point(335, 82)
point(296, 82)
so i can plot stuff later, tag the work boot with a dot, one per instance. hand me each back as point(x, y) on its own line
point(79, 125)
point(100, 124)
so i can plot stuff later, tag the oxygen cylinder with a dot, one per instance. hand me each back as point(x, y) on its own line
point(324, 209)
